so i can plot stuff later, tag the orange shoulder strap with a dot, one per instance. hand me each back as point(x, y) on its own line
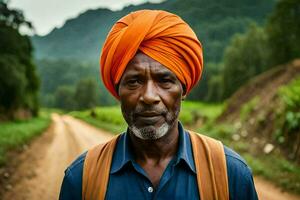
point(209, 160)
point(96, 170)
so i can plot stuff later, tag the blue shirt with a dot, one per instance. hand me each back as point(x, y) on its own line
point(128, 180)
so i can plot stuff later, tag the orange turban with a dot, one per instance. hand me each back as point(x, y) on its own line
point(161, 35)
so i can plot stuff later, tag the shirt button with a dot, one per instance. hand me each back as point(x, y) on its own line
point(150, 189)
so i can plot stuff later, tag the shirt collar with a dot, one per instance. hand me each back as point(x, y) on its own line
point(185, 151)
point(124, 154)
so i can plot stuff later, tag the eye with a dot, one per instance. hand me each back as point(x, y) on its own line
point(132, 83)
point(166, 82)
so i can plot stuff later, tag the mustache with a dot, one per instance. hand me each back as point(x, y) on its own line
point(157, 109)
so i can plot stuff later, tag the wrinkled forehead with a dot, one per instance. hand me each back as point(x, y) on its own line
point(142, 63)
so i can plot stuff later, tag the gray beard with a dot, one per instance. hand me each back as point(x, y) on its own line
point(150, 132)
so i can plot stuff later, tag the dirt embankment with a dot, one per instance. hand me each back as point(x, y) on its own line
point(264, 86)
point(36, 174)
point(257, 112)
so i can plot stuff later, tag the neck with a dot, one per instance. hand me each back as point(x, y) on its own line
point(156, 150)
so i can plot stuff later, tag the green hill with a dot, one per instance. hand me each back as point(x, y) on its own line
point(213, 21)
point(261, 120)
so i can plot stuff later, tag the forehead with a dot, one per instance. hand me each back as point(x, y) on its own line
point(141, 63)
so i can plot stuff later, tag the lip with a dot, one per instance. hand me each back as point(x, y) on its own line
point(148, 118)
point(148, 114)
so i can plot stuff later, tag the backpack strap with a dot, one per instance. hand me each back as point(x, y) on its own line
point(96, 170)
point(210, 162)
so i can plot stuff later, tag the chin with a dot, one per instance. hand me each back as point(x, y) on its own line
point(150, 132)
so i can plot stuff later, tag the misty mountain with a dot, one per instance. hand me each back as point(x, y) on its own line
point(214, 22)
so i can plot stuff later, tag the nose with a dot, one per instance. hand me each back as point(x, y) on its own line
point(150, 94)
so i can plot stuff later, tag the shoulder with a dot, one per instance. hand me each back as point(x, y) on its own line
point(76, 166)
point(234, 160)
point(73, 174)
point(72, 183)
point(240, 180)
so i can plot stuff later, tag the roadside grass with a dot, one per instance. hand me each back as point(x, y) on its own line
point(106, 118)
point(272, 167)
point(14, 134)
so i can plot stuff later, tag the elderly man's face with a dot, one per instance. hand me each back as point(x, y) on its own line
point(150, 96)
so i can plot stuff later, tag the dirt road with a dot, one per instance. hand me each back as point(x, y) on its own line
point(41, 169)
point(38, 173)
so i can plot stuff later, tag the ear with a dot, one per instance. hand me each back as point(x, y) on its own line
point(183, 97)
point(117, 88)
point(184, 94)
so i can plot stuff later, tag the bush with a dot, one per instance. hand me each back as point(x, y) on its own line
point(288, 122)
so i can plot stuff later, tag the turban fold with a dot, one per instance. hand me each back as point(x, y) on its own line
point(161, 35)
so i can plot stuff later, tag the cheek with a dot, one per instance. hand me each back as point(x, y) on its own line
point(126, 112)
point(128, 98)
point(128, 104)
point(172, 100)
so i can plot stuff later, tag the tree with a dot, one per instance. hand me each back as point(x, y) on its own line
point(86, 94)
point(19, 82)
point(245, 57)
point(215, 83)
point(12, 83)
point(12, 17)
point(64, 98)
point(283, 29)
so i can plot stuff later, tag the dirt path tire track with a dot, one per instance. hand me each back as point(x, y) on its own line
point(37, 173)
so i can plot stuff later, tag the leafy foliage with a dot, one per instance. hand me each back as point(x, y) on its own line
point(259, 49)
point(12, 17)
point(290, 95)
point(12, 81)
point(288, 122)
point(244, 58)
point(64, 98)
point(71, 74)
point(19, 83)
point(248, 107)
point(84, 96)
point(283, 29)
point(86, 93)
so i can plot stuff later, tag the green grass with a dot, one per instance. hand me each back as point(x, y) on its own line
point(16, 133)
point(248, 107)
point(107, 118)
point(191, 111)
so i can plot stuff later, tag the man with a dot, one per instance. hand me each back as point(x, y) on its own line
point(150, 62)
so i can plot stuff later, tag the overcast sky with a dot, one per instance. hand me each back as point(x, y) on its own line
point(47, 14)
